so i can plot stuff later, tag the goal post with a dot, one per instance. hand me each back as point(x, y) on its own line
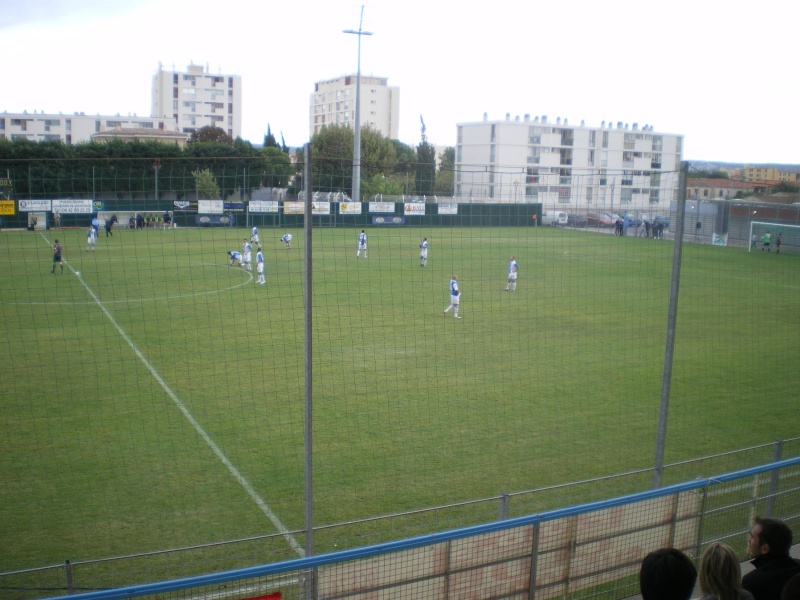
point(789, 236)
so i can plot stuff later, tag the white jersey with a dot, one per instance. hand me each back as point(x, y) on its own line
point(362, 240)
point(254, 235)
point(287, 237)
point(91, 235)
point(513, 267)
point(246, 252)
point(423, 248)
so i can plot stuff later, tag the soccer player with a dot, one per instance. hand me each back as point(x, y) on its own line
point(455, 295)
point(167, 220)
point(260, 268)
point(513, 267)
point(247, 251)
point(91, 238)
point(235, 257)
point(765, 240)
point(254, 237)
point(362, 244)
point(423, 252)
point(287, 240)
point(57, 258)
point(778, 243)
point(109, 224)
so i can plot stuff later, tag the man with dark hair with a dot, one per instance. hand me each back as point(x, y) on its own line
point(769, 543)
point(667, 574)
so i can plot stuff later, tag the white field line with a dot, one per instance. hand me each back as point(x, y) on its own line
point(189, 417)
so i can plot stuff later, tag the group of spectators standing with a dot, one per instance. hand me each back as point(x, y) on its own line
point(668, 574)
point(654, 229)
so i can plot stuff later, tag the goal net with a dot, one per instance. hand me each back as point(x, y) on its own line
point(774, 237)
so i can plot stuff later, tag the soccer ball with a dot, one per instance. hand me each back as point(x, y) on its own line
point(77, 272)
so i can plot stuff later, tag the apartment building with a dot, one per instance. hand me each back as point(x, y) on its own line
point(771, 174)
point(196, 98)
point(564, 166)
point(334, 103)
point(77, 127)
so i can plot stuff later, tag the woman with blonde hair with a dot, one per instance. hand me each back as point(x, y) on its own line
point(720, 575)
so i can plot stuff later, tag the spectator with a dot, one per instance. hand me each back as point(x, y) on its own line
point(720, 574)
point(667, 574)
point(769, 543)
point(791, 591)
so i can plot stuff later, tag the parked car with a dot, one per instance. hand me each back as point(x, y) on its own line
point(661, 220)
point(632, 221)
point(600, 220)
point(554, 218)
point(577, 221)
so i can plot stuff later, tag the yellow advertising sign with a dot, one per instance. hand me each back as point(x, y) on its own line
point(7, 207)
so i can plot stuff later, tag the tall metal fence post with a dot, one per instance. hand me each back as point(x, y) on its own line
point(672, 316)
point(311, 579)
point(504, 500)
point(68, 573)
point(773, 483)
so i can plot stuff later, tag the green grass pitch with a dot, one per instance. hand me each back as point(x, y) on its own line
point(157, 399)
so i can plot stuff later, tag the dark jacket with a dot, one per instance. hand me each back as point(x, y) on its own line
point(770, 575)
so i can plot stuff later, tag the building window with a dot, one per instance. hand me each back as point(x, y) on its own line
point(630, 141)
point(605, 139)
point(658, 143)
point(189, 91)
point(564, 195)
point(589, 194)
point(626, 196)
point(113, 124)
point(590, 158)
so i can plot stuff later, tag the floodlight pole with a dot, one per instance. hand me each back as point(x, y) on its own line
point(357, 124)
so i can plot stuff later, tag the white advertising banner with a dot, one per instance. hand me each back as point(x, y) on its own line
point(320, 208)
point(34, 205)
point(264, 206)
point(294, 208)
point(75, 207)
point(350, 208)
point(414, 208)
point(448, 209)
point(210, 207)
point(381, 207)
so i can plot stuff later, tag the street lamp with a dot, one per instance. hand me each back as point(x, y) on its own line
point(357, 130)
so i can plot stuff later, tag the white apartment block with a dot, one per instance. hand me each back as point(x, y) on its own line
point(196, 98)
point(568, 167)
point(74, 128)
point(334, 103)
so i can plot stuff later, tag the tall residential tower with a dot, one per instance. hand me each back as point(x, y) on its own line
point(334, 103)
point(196, 98)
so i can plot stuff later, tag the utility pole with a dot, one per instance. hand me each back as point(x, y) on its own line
point(357, 129)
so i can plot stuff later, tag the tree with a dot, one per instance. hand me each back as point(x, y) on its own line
point(380, 184)
point(269, 139)
point(444, 174)
point(278, 167)
point(426, 164)
point(206, 184)
point(405, 168)
point(209, 133)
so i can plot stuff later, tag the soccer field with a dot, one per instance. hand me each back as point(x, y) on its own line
point(156, 399)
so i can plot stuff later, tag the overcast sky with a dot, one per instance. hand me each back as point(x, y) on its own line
point(722, 74)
